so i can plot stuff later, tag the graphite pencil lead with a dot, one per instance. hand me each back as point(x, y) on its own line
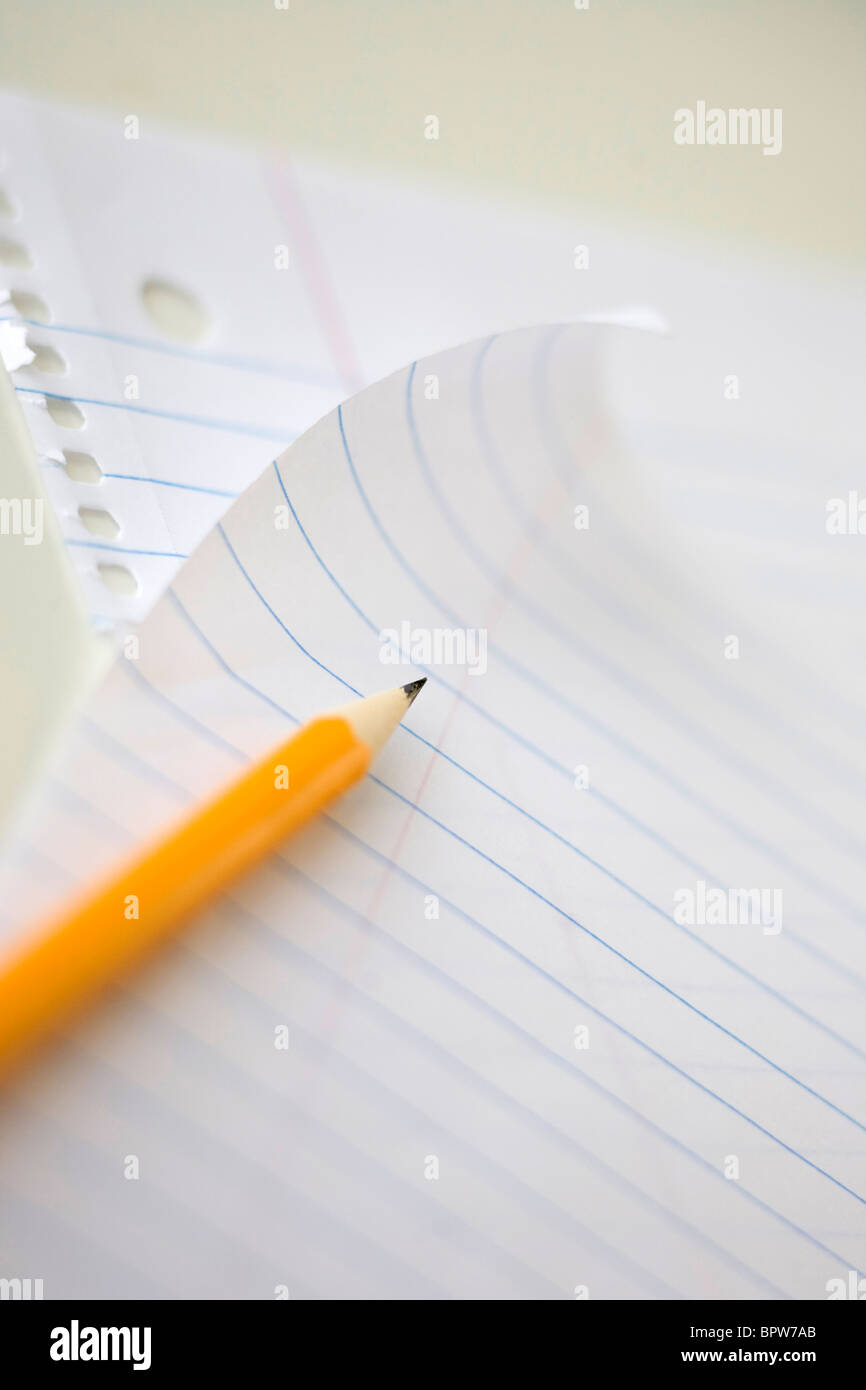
point(411, 690)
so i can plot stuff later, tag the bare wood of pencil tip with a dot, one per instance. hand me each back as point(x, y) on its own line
point(375, 718)
point(72, 953)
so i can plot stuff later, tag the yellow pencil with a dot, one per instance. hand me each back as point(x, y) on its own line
point(66, 958)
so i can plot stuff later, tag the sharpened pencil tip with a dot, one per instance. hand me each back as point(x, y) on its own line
point(411, 690)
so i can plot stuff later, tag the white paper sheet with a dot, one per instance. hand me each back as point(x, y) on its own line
point(378, 273)
point(511, 1071)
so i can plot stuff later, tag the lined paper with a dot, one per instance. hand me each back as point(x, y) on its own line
point(377, 272)
point(315, 282)
point(511, 1071)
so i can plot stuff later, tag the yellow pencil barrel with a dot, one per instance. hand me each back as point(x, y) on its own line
point(67, 957)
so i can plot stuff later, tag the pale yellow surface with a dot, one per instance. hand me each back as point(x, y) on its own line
point(47, 655)
point(561, 105)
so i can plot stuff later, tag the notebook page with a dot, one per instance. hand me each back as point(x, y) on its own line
point(565, 1000)
point(315, 280)
point(312, 282)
